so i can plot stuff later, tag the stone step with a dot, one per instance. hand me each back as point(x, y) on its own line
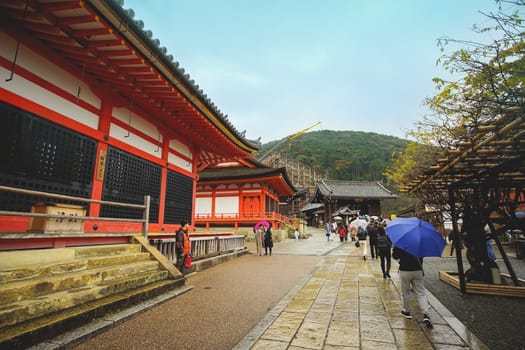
point(46, 292)
point(16, 273)
point(106, 250)
point(34, 331)
point(98, 261)
point(20, 273)
point(37, 287)
point(13, 259)
point(24, 310)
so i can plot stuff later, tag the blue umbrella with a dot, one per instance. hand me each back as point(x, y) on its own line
point(416, 236)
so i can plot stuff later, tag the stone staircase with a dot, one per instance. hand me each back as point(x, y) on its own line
point(46, 292)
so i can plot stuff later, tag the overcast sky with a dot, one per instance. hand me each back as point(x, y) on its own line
point(276, 67)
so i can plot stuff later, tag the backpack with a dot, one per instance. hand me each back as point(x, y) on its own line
point(361, 233)
point(383, 242)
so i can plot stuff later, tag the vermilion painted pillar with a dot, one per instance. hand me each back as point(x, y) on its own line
point(100, 163)
point(195, 151)
point(163, 179)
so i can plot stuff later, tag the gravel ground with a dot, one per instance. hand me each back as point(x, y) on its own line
point(498, 321)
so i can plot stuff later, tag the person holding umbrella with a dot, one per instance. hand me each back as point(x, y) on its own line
point(414, 239)
point(411, 275)
point(360, 228)
point(259, 229)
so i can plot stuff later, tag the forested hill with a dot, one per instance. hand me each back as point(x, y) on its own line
point(342, 155)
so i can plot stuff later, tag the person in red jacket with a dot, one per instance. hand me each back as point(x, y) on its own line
point(341, 230)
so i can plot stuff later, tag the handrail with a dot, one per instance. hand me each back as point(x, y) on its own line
point(76, 199)
point(145, 207)
point(271, 215)
point(201, 247)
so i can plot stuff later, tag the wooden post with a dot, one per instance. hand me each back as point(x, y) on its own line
point(145, 216)
point(457, 241)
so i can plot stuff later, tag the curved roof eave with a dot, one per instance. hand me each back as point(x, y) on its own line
point(117, 15)
point(215, 175)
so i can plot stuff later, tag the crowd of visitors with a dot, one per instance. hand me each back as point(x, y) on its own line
point(366, 231)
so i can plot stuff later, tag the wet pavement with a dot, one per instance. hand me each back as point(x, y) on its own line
point(311, 294)
point(347, 304)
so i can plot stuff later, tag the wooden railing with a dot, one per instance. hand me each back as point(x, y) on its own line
point(144, 207)
point(276, 220)
point(201, 247)
point(271, 215)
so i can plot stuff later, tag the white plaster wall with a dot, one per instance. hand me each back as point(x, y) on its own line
point(135, 141)
point(203, 206)
point(181, 148)
point(52, 73)
point(43, 97)
point(178, 161)
point(136, 122)
point(229, 206)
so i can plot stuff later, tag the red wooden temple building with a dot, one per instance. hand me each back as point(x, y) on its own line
point(241, 193)
point(92, 106)
point(103, 138)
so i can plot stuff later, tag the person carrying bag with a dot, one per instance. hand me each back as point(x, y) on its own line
point(182, 246)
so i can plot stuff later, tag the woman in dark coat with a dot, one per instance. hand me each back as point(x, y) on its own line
point(384, 248)
point(268, 241)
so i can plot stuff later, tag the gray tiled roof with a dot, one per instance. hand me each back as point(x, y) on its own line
point(237, 173)
point(312, 206)
point(128, 18)
point(354, 189)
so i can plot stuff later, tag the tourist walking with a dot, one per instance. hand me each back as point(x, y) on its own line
point(259, 234)
point(361, 236)
point(383, 250)
point(341, 230)
point(328, 231)
point(371, 230)
point(268, 241)
point(352, 229)
point(182, 245)
point(411, 275)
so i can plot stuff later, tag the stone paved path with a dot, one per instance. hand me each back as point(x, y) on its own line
point(346, 304)
point(311, 294)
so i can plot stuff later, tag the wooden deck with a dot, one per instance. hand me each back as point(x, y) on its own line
point(452, 278)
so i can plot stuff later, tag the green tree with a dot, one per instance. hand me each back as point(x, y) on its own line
point(343, 155)
point(491, 80)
